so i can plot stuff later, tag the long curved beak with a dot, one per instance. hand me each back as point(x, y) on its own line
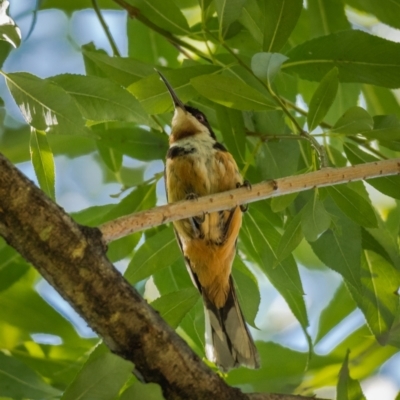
point(175, 98)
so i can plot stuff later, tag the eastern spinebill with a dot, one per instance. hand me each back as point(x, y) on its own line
point(198, 165)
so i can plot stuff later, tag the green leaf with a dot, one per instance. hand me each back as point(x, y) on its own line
point(123, 71)
point(339, 248)
point(354, 205)
point(388, 185)
point(326, 16)
point(12, 266)
point(280, 18)
point(278, 159)
point(102, 100)
point(372, 60)
point(17, 381)
point(175, 305)
point(276, 374)
point(173, 278)
point(101, 378)
point(378, 300)
point(44, 105)
point(354, 120)
point(282, 202)
point(9, 31)
point(291, 238)
point(163, 13)
point(253, 20)
point(153, 94)
point(74, 5)
point(148, 46)
point(112, 158)
point(143, 197)
point(43, 162)
point(385, 10)
point(386, 128)
point(348, 388)
point(157, 252)
point(231, 125)
point(228, 12)
point(323, 99)
point(247, 290)
point(314, 218)
point(261, 239)
point(135, 142)
point(39, 316)
point(123, 247)
point(231, 92)
point(339, 308)
point(267, 65)
point(148, 391)
point(380, 101)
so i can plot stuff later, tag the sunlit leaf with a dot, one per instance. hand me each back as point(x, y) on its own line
point(348, 388)
point(43, 162)
point(44, 105)
point(9, 32)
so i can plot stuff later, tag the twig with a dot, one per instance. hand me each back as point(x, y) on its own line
point(134, 12)
point(106, 29)
point(222, 201)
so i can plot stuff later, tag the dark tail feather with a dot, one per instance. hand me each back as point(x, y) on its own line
point(228, 340)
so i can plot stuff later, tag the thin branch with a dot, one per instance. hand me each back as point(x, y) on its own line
point(223, 201)
point(267, 137)
point(106, 29)
point(134, 12)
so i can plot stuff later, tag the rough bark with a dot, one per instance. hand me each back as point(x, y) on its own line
point(72, 259)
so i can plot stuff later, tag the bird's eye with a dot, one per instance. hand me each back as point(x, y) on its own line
point(200, 117)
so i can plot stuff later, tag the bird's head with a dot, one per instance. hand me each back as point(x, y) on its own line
point(187, 121)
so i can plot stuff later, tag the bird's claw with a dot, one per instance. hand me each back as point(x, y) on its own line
point(246, 184)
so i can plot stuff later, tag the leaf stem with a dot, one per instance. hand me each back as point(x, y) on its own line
point(106, 29)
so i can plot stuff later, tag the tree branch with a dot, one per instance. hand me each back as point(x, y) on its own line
point(222, 201)
point(72, 259)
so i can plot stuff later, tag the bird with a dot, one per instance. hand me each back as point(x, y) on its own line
point(198, 165)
